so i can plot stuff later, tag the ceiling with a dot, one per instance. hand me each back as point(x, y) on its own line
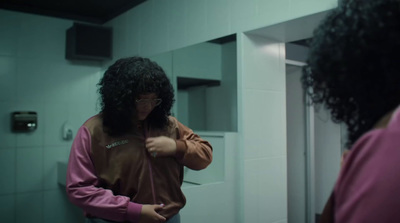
point(89, 11)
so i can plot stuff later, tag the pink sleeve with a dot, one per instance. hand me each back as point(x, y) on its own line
point(369, 183)
point(82, 190)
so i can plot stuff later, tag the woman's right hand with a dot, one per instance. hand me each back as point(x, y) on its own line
point(149, 214)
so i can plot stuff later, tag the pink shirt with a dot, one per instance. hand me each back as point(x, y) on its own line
point(368, 188)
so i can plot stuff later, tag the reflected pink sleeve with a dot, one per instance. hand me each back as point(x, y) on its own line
point(82, 190)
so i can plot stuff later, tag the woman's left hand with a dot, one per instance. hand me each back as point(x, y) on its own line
point(161, 146)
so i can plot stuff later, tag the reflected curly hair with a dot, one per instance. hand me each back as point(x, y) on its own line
point(122, 84)
point(353, 66)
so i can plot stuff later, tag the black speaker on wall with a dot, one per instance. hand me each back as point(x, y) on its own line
point(88, 42)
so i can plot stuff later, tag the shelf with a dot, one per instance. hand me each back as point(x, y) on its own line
point(185, 82)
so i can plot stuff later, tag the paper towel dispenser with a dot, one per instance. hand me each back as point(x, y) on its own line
point(23, 121)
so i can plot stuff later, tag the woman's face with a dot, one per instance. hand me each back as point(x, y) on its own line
point(145, 103)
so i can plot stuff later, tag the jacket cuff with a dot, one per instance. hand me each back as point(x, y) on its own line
point(133, 212)
point(181, 148)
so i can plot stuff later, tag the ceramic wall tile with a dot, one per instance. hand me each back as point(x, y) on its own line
point(8, 139)
point(9, 25)
point(57, 208)
point(218, 21)
point(34, 212)
point(7, 208)
point(29, 170)
point(264, 128)
point(177, 35)
point(7, 171)
point(52, 155)
point(8, 80)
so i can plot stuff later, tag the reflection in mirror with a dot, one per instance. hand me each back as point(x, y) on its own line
point(205, 82)
point(204, 78)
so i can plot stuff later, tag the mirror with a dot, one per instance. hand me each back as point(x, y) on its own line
point(204, 77)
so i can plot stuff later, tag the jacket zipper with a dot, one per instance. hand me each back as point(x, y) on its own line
point(150, 166)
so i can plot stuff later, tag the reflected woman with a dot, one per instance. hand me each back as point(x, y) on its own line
point(126, 163)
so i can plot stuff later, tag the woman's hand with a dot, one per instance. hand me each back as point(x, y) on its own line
point(161, 146)
point(149, 214)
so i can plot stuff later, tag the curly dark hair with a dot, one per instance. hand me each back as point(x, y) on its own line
point(352, 66)
point(121, 85)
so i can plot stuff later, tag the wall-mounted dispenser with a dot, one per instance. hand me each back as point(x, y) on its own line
point(88, 42)
point(23, 121)
point(67, 131)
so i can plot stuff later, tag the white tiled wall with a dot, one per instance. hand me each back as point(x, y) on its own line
point(265, 126)
point(265, 181)
point(262, 121)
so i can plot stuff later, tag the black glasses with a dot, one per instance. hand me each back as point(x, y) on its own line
point(152, 102)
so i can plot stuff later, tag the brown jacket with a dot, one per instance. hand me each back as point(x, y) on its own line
point(124, 166)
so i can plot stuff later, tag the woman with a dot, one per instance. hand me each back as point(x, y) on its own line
point(126, 163)
point(353, 70)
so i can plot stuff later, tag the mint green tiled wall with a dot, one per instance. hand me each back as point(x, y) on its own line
point(35, 76)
